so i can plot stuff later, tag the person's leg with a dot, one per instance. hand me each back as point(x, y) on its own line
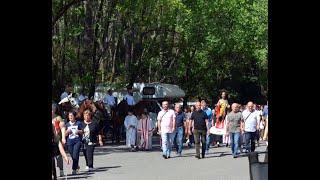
point(85, 154)
point(232, 143)
point(170, 140)
point(164, 139)
point(179, 139)
point(203, 141)
point(197, 142)
point(236, 143)
point(247, 141)
point(208, 141)
point(191, 138)
point(253, 141)
point(54, 173)
point(90, 151)
point(60, 164)
point(174, 140)
point(75, 156)
point(71, 149)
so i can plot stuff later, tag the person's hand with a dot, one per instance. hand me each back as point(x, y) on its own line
point(192, 129)
point(100, 143)
point(67, 160)
point(63, 140)
point(69, 131)
point(173, 129)
point(208, 132)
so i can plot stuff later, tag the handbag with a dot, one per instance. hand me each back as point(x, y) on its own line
point(217, 131)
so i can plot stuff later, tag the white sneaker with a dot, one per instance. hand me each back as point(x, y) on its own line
point(87, 167)
point(91, 169)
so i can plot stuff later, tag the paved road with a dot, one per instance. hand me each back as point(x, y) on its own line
point(117, 163)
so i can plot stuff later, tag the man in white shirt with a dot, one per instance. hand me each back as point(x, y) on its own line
point(109, 99)
point(129, 98)
point(251, 121)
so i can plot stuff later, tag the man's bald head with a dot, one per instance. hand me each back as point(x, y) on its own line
point(235, 107)
point(250, 106)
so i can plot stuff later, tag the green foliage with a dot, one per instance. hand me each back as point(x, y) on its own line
point(199, 45)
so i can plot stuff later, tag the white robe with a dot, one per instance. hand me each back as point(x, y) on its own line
point(130, 131)
point(145, 127)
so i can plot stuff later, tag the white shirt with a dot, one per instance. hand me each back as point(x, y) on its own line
point(130, 100)
point(73, 127)
point(250, 123)
point(110, 100)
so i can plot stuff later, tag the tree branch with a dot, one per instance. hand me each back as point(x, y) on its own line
point(63, 10)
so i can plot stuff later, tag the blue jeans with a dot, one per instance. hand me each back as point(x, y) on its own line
point(166, 143)
point(178, 135)
point(250, 138)
point(74, 150)
point(235, 138)
point(209, 137)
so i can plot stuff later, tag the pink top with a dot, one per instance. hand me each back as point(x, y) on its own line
point(167, 118)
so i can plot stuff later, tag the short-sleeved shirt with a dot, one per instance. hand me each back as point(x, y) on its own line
point(129, 100)
point(73, 127)
point(234, 120)
point(180, 118)
point(208, 111)
point(199, 118)
point(251, 120)
point(167, 118)
point(110, 100)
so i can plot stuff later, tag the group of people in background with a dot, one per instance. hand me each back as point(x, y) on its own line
point(244, 126)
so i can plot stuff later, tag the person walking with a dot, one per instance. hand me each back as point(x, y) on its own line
point(166, 126)
point(234, 128)
point(200, 129)
point(251, 121)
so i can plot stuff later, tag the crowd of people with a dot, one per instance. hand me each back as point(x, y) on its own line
point(243, 127)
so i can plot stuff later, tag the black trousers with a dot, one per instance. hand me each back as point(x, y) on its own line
point(88, 154)
point(54, 173)
point(197, 134)
point(250, 138)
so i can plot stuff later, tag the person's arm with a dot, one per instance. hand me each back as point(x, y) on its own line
point(159, 123)
point(192, 122)
point(192, 125)
point(227, 124)
point(63, 131)
point(242, 125)
point(207, 124)
point(258, 122)
point(265, 135)
point(174, 122)
point(80, 129)
point(63, 153)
